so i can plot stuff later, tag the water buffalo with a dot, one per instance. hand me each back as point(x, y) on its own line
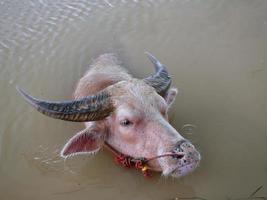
point(128, 114)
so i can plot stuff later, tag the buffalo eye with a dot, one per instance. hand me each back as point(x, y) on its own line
point(126, 122)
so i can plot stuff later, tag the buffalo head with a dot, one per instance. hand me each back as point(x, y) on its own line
point(129, 114)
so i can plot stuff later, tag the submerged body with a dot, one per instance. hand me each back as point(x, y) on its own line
point(129, 114)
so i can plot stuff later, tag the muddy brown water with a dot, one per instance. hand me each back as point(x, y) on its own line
point(216, 52)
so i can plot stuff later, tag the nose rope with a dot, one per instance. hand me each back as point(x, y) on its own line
point(139, 163)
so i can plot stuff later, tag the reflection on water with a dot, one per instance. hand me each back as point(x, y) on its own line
point(216, 52)
point(188, 129)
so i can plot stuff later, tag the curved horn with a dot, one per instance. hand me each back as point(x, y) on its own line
point(160, 80)
point(91, 108)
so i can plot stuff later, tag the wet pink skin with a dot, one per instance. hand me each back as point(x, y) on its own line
point(139, 125)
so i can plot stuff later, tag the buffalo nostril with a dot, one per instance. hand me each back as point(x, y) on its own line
point(177, 156)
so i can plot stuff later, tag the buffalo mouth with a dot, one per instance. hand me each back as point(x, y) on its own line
point(183, 170)
point(181, 167)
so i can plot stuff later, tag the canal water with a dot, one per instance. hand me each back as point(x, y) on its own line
point(216, 52)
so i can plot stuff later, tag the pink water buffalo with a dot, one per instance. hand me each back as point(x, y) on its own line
point(129, 114)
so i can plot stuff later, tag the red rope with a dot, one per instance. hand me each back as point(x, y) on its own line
point(138, 163)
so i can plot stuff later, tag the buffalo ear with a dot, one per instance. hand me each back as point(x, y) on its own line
point(170, 96)
point(88, 141)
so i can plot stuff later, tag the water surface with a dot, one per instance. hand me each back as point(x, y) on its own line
point(216, 52)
